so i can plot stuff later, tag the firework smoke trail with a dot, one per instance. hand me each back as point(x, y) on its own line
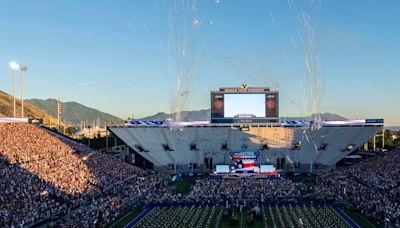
point(312, 83)
point(312, 74)
point(182, 56)
point(311, 61)
point(312, 78)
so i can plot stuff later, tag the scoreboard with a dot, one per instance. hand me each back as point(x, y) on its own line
point(244, 105)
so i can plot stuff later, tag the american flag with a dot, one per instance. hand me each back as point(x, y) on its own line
point(59, 108)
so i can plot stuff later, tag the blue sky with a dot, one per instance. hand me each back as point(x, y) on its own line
point(119, 56)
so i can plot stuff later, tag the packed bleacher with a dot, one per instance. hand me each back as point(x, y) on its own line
point(48, 178)
point(372, 185)
point(253, 189)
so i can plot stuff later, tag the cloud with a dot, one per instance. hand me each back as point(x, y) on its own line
point(272, 18)
point(130, 26)
point(84, 84)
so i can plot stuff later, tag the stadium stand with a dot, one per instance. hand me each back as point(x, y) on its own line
point(372, 185)
point(209, 141)
point(47, 176)
point(53, 180)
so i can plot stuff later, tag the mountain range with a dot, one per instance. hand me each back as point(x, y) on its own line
point(187, 116)
point(73, 112)
point(205, 114)
point(31, 111)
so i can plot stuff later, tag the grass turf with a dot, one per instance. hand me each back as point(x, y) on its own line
point(125, 219)
point(359, 218)
point(184, 185)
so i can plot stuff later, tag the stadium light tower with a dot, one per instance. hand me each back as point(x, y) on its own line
point(23, 69)
point(14, 66)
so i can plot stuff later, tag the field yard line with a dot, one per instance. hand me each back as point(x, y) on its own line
point(129, 224)
point(341, 216)
point(366, 221)
point(116, 222)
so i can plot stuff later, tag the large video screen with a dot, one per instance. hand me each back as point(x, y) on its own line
point(244, 107)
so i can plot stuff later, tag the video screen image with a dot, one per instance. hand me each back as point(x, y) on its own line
point(244, 106)
point(217, 109)
point(271, 106)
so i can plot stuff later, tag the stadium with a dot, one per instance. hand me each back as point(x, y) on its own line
point(236, 170)
point(199, 114)
point(300, 145)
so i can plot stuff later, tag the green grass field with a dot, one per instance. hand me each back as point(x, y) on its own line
point(184, 186)
point(125, 219)
point(359, 218)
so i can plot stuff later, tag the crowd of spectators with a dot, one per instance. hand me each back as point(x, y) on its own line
point(242, 189)
point(49, 178)
point(372, 185)
point(46, 177)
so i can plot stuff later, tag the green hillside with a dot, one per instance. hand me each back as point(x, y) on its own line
point(74, 112)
